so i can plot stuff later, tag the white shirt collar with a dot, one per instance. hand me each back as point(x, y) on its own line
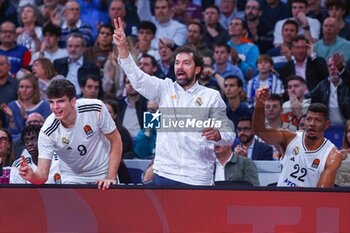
point(77, 25)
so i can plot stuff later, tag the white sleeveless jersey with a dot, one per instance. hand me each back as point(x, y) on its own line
point(83, 150)
point(303, 168)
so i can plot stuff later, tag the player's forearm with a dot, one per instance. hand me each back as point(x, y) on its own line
point(114, 159)
point(258, 117)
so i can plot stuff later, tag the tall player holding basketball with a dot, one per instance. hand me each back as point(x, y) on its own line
point(309, 160)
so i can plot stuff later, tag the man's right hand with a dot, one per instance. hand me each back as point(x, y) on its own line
point(262, 94)
point(25, 170)
point(119, 38)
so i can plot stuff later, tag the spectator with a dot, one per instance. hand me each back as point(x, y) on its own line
point(297, 105)
point(331, 42)
point(89, 149)
point(265, 77)
point(228, 12)
point(249, 146)
point(335, 94)
point(281, 54)
point(146, 33)
point(99, 53)
point(18, 55)
point(8, 85)
point(113, 109)
point(309, 159)
point(166, 26)
point(30, 33)
point(8, 12)
point(148, 64)
point(28, 102)
point(44, 71)
point(195, 38)
point(131, 109)
point(257, 32)
point(231, 167)
point(73, 24)
point(29, 136)
point(272, 12)
point(209, 78)
point(345, 150)
point(6, 149)
point(337, 9)
point(214, 32)
point(303, 63)
point(315, 10)
point(185, 11)
point(90, 86)
point(94, 13)
point(244, 53)
point(52, 12)
point(176, 164)
point(49, 48)
point(166, 63)
point(75, 67)
point(145, 140)
point(222, 65)
point(117, 9)
point(309, 27)
point(236, 108)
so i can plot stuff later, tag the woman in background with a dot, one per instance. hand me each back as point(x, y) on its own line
point(6, 150)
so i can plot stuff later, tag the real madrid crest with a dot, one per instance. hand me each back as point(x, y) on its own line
point(295, 150)
point(198, 101)
point(65, 141)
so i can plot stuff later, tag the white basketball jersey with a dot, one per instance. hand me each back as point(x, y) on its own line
point(83, 150)
point(303, 168)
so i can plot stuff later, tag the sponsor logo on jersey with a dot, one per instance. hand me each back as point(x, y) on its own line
point(315, 163)
point(88, 130)
point(295, 150)
point(198, 101)
point(65, 140)
point(173, 97)
point(57, 178)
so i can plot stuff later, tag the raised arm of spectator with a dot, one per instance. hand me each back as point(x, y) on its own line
point(144, 10)
point(272, 136)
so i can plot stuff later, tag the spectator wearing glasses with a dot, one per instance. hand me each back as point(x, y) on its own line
point(249, 146)
point(6, 150)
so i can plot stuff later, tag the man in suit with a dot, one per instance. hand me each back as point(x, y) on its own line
point(75, 67)
point(313, 69)
point(249, 146)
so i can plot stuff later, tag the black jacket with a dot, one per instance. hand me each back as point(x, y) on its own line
point(321, 94)
point(141, 106)
point(316, 71)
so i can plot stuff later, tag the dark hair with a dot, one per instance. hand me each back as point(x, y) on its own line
point(319, 108)
point(147, 25)
point(153, 60)
point(222, 44)
point(243, 23)
point(276, 97)
point(109, 27)
point(291, 21)
point(264, 57)
point(300, 37)
point(52, 29)
point(245, 118)
point(337, 3)
point(59, 88)
point(296, 77)
point(30, 129)
point(299, 1)
point(197, 57)
point(238, 80)
point(84, 80)
point(215, 7)
point(201, 29)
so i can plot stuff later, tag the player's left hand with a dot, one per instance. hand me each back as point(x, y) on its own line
point(105, 184)
point(212, 134)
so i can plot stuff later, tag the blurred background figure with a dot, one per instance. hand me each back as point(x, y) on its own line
point(6, 150)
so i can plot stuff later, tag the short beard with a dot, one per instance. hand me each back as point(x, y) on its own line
point(185, 82)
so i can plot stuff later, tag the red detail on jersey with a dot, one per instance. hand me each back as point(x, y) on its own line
point(87, 129)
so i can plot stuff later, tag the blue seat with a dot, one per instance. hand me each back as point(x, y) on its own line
point(335, 134)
